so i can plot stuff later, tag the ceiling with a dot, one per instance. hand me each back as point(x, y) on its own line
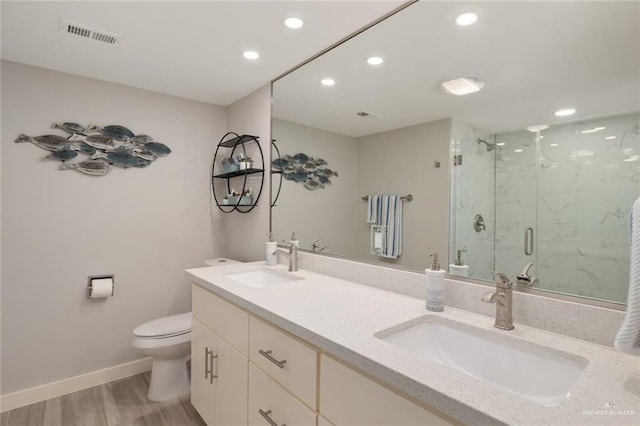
point(188, 49)
point(535, 58)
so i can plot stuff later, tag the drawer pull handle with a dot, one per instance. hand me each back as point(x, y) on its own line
point(208, 364)
point(267, 355)
point(265, 414)
point(211, 367)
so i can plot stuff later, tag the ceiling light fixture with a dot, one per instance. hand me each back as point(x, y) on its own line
point(517, 150)
point(467, 18)
point(501, 144)
point(534, 129)
point(250, 54)
point(375, 60)
point(553, 144)
point(294, 22)
point(328, 82)
point(610, 137)
point(565, 112)
point(462, 86)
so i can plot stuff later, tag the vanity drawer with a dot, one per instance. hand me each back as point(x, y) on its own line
point(268, 397)
point(347, 397)
point(286, 359)
point(227, 320)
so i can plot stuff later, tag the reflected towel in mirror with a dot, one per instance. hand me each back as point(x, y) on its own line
point(628, 338)
point(386, 211)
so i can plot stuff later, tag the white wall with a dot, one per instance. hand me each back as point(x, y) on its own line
point(401, 162)
point(247, 233)
point(298, 208)
point(143, 225)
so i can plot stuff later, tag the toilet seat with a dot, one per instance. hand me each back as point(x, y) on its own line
point(171, 326)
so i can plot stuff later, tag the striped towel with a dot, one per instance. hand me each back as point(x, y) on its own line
point(386, 211)
point(372, 209)
point(628, 338)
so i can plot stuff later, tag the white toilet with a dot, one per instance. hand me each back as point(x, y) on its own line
point(168, 341)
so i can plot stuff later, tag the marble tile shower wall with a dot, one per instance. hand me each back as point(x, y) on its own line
point(472, 192)
point(577, 200)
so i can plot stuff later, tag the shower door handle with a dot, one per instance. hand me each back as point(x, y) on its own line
point(528, 241)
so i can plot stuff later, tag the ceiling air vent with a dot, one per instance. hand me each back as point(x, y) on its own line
point(87, 32)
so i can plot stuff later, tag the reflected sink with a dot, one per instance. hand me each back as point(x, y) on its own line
point(540, 374)
point(262, 277)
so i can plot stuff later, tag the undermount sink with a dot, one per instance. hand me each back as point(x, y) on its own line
point(540, 374)
point(262, 277)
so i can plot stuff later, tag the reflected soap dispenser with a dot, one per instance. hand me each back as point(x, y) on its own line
point(458, 267)
point(294, 240)
point(272, 248)
point(434, 286)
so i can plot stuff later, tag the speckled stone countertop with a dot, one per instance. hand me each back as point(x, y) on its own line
point(341, 317)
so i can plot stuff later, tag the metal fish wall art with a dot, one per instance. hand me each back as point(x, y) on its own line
point(101, 147)
point(313, 173)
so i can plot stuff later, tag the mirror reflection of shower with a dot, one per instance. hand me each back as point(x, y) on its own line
point(490, 145)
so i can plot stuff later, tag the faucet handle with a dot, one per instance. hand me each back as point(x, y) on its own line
point(502, 280)
point(525, 270)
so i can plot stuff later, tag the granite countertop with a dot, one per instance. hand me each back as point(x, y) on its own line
point(341, 317)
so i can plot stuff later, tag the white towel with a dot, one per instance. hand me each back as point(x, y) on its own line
point(628, 338)
point(372, 209)
point(389, 215)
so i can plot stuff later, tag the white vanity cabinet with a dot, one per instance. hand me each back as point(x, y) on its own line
point(219, 370)
point(245, 371)
point(347, 397)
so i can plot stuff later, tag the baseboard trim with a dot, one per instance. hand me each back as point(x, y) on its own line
point(73, 384)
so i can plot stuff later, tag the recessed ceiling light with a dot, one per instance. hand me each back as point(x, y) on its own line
point(534, 129)
point(501, 144)
point(250, 54)
point(541, 137)
point(553, 144)
point(462, 86)
point(565, 112)
point(517, 150)
point(466, 19)
point(375, 60)
point(632, 158)
point(328, 81)
point(294, 22)
point(610, 137)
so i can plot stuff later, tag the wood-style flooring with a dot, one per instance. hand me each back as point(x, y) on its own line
point(120, 403)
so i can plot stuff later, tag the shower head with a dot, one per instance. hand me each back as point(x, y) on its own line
point(490, 146)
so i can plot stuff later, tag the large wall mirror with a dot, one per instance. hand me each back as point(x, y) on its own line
point(381, 163)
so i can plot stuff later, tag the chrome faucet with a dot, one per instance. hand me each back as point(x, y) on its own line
point(502, 297)
point(292, 254)
point(524, 279)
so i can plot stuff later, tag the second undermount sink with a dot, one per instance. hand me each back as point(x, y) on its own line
point(262, 277)
point(543, 375)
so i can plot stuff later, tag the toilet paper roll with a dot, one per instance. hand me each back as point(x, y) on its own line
point(100, 288)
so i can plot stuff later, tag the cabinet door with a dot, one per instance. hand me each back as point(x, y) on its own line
point(230, 386)
point(202, 390)
point(349, 398)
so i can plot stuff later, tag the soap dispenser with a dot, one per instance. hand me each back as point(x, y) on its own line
point(272, 248)
point(458, 267)
point(434, 286)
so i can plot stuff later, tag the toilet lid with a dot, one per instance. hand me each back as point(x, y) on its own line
point(163, 327)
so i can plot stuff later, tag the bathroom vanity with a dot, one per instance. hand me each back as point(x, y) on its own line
point(275, 347)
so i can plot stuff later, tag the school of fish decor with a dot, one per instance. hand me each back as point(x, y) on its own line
point(313, 173)
point(101, 147)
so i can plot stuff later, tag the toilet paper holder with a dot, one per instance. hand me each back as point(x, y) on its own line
point(91, 278)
